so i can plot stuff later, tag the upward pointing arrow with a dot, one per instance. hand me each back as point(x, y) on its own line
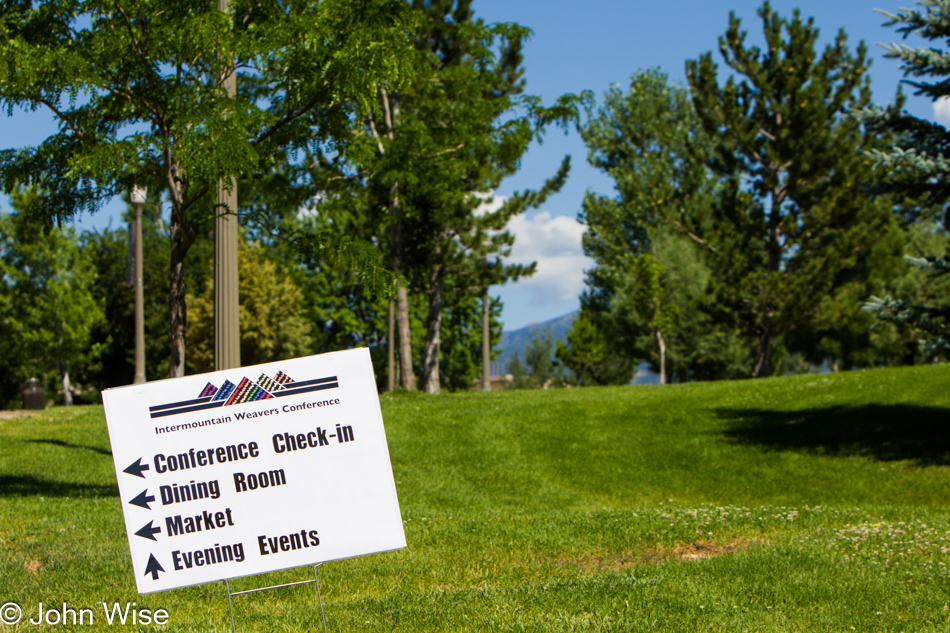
point(153, 567)
point(136, 468)
point(142, 500)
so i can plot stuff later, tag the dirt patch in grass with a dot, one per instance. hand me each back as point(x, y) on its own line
point(697, 550)
point(693, 551)
point(32, 565)
point(15, 414)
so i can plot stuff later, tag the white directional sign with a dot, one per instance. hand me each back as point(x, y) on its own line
point(252, 470)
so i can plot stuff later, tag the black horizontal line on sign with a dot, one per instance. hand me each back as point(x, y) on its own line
point(290, 392)
point(210, 405)
point(183, 403)
point(304, 383)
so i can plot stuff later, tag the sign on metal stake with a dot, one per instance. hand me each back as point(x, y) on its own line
point(252, 470)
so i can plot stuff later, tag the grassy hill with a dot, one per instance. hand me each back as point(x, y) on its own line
point(808, 503)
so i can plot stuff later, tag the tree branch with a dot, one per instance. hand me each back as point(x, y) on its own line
point(695, 238)
point(451, 150)
point(387, 114)
point(372, 129)
point(65, 119)
point(128, 24)
point(287, 119)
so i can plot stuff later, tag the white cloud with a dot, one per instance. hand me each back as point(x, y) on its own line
point(555, 243)
point(491, 203)
point(942, 111)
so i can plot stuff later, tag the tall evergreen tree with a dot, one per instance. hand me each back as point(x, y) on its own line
point(314, 199)
point(456, 131)
point(917, 168)
point(792, 225)
point(591, 357)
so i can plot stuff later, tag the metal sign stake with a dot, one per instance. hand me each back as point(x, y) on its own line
point(315, 581)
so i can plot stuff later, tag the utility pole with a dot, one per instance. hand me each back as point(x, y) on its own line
point(486, 344)
point(227, 333)
point(391, 352)
point(138, 201)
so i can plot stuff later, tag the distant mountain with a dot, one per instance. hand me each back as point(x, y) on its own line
point(514, 341)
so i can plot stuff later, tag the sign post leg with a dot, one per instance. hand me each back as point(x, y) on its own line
point(319, 598)
point(315, 581)
point(230, 608)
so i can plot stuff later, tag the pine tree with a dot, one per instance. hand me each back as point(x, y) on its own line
point(428, 154)
point(537, 366)
point(791, 225)
point(917, 166)
point(591, 357)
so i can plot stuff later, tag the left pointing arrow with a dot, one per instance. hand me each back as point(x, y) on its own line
point(153, 567)
point(136, 468)
point(148, 531)
point(142, 500)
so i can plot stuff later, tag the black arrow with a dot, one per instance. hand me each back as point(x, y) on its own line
point(137, 468)
point(143, 499)
point(148, 531)
point(153, 567)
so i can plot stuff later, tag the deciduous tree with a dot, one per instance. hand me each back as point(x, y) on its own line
point(273, 322)
point(651, 143)
point(48, 309)
point(137, 88)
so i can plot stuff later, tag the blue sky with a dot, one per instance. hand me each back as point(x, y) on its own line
point(583, 45)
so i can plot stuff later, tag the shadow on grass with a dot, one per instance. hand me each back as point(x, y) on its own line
point(95, 449)
point(882, 432)
point(29, 486)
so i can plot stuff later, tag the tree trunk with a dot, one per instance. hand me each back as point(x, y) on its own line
point(407, 378)
point(430, 366)
point(486, 344)
point(659, 338)
point(762, 367)
point(176, 299)
point(763, 356)
point(67, 389)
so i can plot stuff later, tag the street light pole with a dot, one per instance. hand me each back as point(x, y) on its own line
point(391, 351)
point(486, 343)
point(138, 201)
point(227, 333)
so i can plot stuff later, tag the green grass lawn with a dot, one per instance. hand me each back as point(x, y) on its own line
point(813, 503)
